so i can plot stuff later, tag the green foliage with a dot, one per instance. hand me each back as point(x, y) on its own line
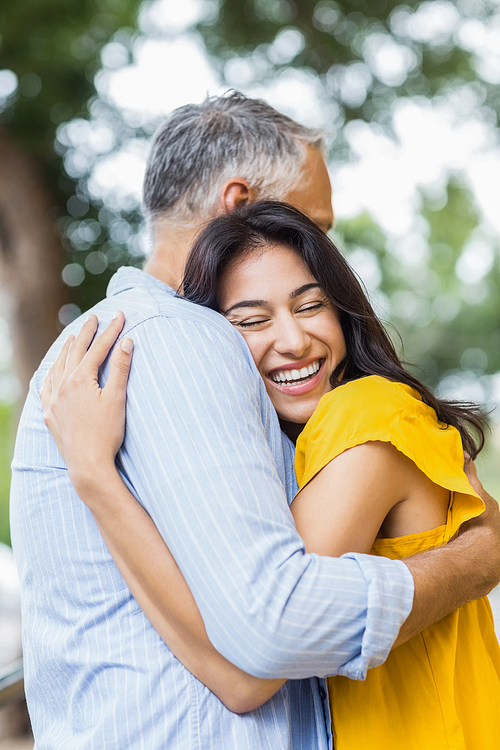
point(53, 47)
point(335, 38)
point(488, 466)
point(6, 447)
point(446, 323)
point(476, 323)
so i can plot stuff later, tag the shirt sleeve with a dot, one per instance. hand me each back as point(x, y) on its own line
point(197, 456)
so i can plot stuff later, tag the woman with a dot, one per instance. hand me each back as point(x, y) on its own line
point(390, 450)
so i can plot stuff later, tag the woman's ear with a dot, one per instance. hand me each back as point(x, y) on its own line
point(236, 191)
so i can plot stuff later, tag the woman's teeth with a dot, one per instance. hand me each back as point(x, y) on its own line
point(289, 377)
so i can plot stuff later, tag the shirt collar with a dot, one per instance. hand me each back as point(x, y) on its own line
point(128, 277)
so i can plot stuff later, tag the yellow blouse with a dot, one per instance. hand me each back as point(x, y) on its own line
point(441, 689)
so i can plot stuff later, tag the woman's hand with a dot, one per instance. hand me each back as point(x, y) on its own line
point(87, 421)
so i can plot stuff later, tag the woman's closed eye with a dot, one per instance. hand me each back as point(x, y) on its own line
point(249, 323)
point(311, 307)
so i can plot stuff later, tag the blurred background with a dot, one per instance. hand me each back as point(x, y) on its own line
point(408, 93)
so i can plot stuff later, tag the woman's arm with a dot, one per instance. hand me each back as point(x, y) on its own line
point(377, 491)
point(377, 487)
point(162, 593)
point(79, 413)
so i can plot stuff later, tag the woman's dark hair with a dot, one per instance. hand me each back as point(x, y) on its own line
point(369, 348)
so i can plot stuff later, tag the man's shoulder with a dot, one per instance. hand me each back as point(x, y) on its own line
point(149, 303)
point(157, 318)
point(151, 306)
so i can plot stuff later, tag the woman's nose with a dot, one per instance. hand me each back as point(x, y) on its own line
point(291, 338)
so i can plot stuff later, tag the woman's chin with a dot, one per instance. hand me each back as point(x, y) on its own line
point(298, 412)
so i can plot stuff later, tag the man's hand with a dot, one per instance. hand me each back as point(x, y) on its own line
point(87, 421)
point(487, 527)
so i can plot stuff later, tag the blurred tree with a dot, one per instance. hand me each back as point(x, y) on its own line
point(5, 459)
point(466, 310)
point(365, 55)
point(49, 54)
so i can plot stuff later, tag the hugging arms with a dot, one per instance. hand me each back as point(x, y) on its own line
point(79, 412)
point(379, 467)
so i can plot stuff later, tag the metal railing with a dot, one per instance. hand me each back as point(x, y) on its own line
point(11, 682)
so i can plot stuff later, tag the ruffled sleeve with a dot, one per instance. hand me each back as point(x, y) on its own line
point(374, 408)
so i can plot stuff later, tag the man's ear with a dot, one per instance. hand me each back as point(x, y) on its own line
point(236, 191)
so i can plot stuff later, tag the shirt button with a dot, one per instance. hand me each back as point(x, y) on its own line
point(322, 693)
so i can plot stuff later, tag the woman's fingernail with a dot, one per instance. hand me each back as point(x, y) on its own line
point(116, 314)
point(127, 346)
point(89, 317)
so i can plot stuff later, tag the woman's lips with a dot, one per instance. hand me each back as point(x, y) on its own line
point(296, 381)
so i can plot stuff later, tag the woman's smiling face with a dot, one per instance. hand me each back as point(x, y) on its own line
point(292, 329)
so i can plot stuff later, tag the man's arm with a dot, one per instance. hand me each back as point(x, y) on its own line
point(299, 614)
point(197, 455)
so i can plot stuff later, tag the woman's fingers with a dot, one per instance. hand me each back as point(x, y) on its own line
point(56, 372)
point(53, 380)
point(90, 352)
point(81, 343)
point(78, 413)
point(98, 350)
point(119, 369)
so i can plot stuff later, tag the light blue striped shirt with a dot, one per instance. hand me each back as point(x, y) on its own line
point(205, 455)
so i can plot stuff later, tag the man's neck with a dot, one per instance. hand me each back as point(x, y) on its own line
point(171, 247)
point(160, 266)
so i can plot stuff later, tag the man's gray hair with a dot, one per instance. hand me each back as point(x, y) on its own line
point(200, 146)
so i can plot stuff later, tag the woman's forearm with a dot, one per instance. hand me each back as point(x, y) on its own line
point(78, 412)
point(161, 591)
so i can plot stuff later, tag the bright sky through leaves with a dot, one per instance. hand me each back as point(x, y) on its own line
point(433, 139)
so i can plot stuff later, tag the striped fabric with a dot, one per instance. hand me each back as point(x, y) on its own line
point(205, 455)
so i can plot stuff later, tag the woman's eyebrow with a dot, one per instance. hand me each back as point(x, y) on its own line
point(246, 303)
point(304, 288)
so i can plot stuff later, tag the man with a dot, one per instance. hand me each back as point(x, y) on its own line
point(204, 454)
